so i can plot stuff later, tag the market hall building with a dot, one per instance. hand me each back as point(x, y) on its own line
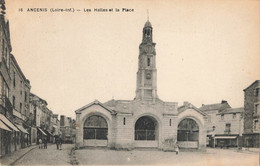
point(145, 121)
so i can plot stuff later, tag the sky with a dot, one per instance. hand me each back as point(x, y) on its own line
point(207, 51)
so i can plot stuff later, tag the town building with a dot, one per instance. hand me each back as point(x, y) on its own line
point(24, 117)
point(38, 108)
point(67, 129)
point(8, 131)
point(56, 125)
point(145, 121)
point(230, 127)
point(251, 136)
point(212, 123)
point(19, 94)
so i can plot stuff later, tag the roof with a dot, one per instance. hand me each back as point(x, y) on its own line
point(232, 110)
point(188, 106)
point(31, 94)
point(120, 106)
point(255, 82)
point(148, 24)
point(218, 106)
point(96, 102)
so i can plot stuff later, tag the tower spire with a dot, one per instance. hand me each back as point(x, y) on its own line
point(146, 88)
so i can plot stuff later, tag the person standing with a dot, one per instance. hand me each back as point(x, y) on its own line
point(60, 143)
point(177, 148)
point(40, 143)
point(57, 141)
point(45, 143)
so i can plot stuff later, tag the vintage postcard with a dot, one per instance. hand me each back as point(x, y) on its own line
point(116, 82)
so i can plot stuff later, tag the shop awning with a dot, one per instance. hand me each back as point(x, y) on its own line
point(225, 137)
point(46, 131)
point(8, 123)
point(22, 129)
point(42, 131)
point(3, 126)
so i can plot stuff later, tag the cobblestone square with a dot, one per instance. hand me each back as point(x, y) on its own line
point(213, 157)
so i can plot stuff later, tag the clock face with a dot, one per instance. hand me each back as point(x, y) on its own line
point(148, 75)
point(149, 49)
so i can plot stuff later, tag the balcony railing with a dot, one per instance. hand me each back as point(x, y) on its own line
point(6, 104)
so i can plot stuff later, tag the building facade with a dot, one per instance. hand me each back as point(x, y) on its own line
point(224, 125)
point(145, 121)
point(230, 127)
point(212, 123)
point(251, 134)
point(19, 94)
point(24, 117)
point(5, 105)
point(67, 129)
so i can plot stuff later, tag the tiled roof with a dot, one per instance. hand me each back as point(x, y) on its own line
point(189, 105)
point(96, 102)
point(218, 106)
point(233, 110)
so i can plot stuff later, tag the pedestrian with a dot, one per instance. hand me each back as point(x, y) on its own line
point(45, 143)
point(40, 143)
point(60, 143)
point(57, 141)
point(177, 148)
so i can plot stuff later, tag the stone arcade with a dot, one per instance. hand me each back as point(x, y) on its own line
point(145, 121)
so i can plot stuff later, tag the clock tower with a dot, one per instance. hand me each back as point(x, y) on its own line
point(146, 88)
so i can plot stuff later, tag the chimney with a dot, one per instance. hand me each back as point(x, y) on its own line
point(62, 120)
point(223, 101)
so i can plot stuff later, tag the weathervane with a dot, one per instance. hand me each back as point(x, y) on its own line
point(148, 14)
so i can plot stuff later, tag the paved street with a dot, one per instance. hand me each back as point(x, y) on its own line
point(214, 157)
point(50, 156)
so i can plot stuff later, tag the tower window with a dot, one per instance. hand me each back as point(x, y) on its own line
point(234, 115)
point(124, 121)
point(170, 123)
point(148, 61)
point(148, 32)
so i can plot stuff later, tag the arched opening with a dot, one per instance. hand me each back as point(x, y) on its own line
point(146, 128)
point(95, 131)
point(188, 133)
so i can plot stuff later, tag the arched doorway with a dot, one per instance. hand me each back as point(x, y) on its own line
point(188, 133)
point(95, 131)
point(146, 132)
